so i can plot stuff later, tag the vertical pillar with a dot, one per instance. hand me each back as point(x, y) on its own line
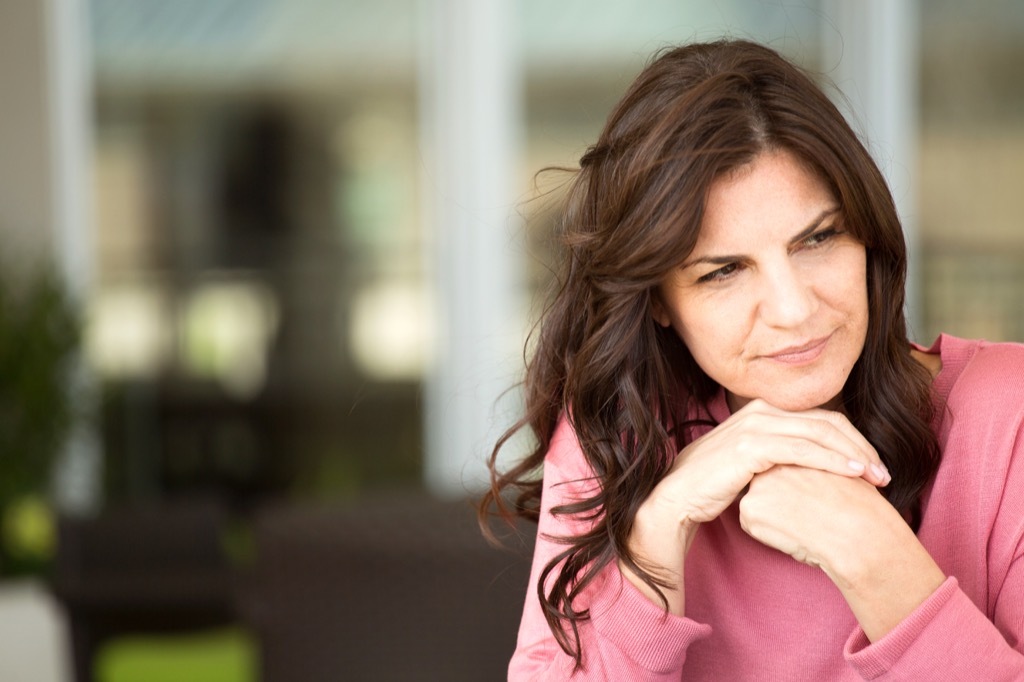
point(69, 117)
point(470, 114)
point(77, 479)
point(871, 53)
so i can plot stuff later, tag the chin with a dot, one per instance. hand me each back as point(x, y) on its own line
point(825, 399)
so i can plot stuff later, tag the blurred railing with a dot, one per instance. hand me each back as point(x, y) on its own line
point(976, 292)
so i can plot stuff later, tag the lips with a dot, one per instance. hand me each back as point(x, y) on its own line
point(801, 354)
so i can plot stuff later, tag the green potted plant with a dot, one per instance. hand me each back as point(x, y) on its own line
point(40, 334)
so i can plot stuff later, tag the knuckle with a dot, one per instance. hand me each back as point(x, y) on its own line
point(756, 405)
point(758, 408)
point(838, 418)
point(747, 506)
point(822, 428)
point(744, 444)
point(802, 450)
point(758, 423)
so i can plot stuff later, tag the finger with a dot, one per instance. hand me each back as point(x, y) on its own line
point(832, 430)
point(758, 453)
point(879, 474)
point(826, 428)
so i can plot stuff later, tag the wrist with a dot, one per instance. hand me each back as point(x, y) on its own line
point(865, 550)
point(672, 597)
point(662, 525)
point(886, 579)
point(658, 543)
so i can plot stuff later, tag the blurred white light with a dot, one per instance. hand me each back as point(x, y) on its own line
point(392, 330)
point(226, 331)
point(128, 335)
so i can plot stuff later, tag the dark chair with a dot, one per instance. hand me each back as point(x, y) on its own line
point(389, 588)
point(153, 568)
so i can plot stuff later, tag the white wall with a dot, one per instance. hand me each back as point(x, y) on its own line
point(26, 168)
point(45, 188)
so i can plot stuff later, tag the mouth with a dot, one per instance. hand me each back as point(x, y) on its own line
point(801, 354)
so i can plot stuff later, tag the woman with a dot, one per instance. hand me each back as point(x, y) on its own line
point(748, 470)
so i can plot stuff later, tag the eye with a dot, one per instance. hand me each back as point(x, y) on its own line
point(720, 274)
point(821, 237)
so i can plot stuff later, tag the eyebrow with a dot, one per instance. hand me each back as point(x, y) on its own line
point(796, 239)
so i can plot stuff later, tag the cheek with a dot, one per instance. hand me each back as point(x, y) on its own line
point(854, 266)
point(856, 293)
point(840, 281)
point(710, 336)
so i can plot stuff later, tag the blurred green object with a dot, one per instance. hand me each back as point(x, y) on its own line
point(29, 529)
point(227, 655)
point(40, 335)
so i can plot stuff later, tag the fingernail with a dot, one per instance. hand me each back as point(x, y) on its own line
point(856, 466)
point(881, 472)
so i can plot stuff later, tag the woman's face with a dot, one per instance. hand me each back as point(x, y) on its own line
point(772, 303)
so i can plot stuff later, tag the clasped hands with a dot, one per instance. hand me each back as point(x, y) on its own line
point(809, 486)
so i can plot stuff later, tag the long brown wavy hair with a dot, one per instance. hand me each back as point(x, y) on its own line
point(632, 213)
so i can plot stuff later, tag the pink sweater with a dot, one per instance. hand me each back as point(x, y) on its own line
point(754, 613)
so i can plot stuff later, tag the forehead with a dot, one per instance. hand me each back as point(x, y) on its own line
point(776, 191)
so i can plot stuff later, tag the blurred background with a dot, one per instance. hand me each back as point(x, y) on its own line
point(268, 267)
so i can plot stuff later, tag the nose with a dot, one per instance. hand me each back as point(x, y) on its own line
point(787, 297)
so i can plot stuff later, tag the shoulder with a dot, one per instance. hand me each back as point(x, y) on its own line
point(564, 451)
point(565, 461)
point(1003, 359)
point(980, 418)
point(980, 398)
point(982, 374)
point(568, 479)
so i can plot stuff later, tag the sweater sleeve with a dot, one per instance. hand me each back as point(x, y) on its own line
point(627, 637)
point(949, 637)
point(946, 638)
